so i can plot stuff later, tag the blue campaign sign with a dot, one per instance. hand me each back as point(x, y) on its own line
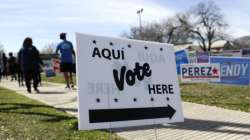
point(50, 73)
point(202, 57)
point(234, 70)
point(180, 58)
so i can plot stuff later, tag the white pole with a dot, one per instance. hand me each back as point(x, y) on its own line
point(139, 12)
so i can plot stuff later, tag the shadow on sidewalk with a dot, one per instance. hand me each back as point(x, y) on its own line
point(52, 92)
point(68, 109)
point(33, 109)
point(13, 106)
point(196, 125)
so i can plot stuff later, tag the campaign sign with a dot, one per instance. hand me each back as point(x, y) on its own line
point(233, 70)
point(202, 57)
point(200, 72)
point(121, 84)
point(180, 58)
point(192, 57)
point(56, 64)
point(48, 69)
point(47, 64)
point(245, 52)
point(49, 72)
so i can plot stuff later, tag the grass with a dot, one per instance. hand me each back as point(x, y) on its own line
point(56, 79)
point(225, 96)
point(24, 118)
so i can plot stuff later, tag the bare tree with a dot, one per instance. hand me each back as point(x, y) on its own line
point(49, 48)
point(1, 49)
point(240, 43)
point(150, 32)
point(174, 32)
point(205, 21)
point(170, 26)
point(169, 31)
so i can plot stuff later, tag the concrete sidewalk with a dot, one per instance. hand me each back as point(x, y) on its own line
point(50, 93)
point(201, 122)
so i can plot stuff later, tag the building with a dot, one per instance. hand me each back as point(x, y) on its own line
point(216, 47)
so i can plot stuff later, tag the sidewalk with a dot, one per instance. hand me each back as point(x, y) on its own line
point(201, 122)
point(50, 93)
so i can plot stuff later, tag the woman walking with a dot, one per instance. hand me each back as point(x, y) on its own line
point(30, 61)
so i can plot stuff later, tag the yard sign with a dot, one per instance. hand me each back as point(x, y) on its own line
point(200, 72)
point(234, 70)
point(126, 83)
point(180, 58)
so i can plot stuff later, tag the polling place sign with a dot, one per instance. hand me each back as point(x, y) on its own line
point(234, 70)
point(121, 84)
point(180, 58)
point(200, 72)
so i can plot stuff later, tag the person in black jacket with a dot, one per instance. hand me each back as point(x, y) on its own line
point(20, 77)
point(5, 60)
point(30, 62)
point(12, 66)
point(1, 68)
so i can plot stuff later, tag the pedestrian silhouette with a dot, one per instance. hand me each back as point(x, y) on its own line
point(4, 59)
point(12, 65)
point(30, 64)
point(67, 56)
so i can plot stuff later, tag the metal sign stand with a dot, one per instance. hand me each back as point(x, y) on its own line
point(155, 125)
point(156, 138)
point(110, 129)
point(110, 133)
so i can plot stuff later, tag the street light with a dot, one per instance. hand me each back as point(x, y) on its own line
point(139, 12)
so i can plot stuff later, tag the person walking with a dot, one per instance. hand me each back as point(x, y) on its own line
point(67, 55)
point(0, 72)
point(1, 68)
point(30, 63)
point(20, 76)
point(4, 71)
point(12, 66)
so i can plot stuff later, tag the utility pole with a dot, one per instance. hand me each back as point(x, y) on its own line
point(139, 12)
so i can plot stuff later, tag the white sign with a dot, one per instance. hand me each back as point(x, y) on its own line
point(126, 83)
point(200, 72)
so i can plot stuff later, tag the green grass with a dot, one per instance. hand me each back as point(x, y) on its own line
point(24, 118)
point(225, 96)
point(56, 79)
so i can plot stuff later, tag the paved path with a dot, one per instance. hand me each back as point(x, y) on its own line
point(51, 94)
point(201, 122)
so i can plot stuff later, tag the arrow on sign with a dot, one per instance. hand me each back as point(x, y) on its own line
point(171, 111)
point(127, 114)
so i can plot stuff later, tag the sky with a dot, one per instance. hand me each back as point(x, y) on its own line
point(43, 20)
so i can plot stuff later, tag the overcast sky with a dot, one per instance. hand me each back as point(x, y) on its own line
point(43, 20)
